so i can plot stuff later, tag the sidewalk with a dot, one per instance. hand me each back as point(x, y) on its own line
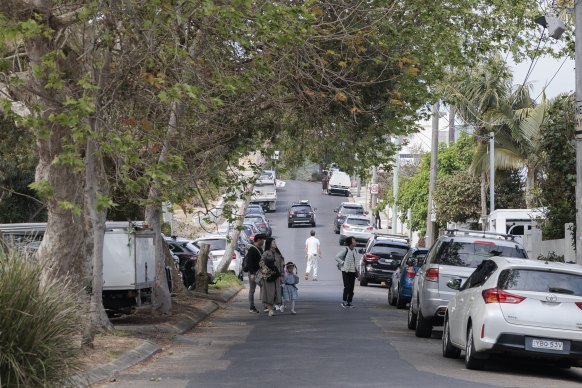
point(202, 305)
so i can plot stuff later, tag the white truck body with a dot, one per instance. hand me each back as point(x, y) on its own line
point(513, 221)
point(128, 260)
point(265, 194)
point(339, 183)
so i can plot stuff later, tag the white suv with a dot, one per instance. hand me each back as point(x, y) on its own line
point(512, 306)
point(453, 256)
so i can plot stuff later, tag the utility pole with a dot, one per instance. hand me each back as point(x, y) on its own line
point(434, 147)
point(395, 173)
point(452, 114)
point(578, 65)
point(374, 198)
point(491, 172)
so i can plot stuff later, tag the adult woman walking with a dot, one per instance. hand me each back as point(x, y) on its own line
point(272, 263)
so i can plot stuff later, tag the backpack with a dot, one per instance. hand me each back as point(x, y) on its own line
point(341, 261)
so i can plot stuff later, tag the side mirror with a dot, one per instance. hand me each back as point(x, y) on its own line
point(455, 284)
point(361, 250)
point(366, 213)
point(411, 261)
point(335, 210)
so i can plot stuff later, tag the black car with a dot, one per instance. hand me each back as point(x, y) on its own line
point(301, 213)
point(381, 257)
point(346, 208)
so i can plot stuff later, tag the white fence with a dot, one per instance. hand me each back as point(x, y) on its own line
point(536, 246)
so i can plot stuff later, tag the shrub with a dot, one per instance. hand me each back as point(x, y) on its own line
point(552, 256)
point(225, 280)
point(39, 326)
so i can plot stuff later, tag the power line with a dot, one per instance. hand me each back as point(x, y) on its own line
point(554, 76)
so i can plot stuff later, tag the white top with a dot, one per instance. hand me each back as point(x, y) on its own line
point(350, 261)
point(312, 246)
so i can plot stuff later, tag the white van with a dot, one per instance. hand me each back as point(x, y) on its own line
point(339, 183)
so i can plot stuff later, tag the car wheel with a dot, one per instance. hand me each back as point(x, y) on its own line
point(423, 327)
point(471, 359)
point(313, 225)
point(391, 299)
point(449, 351)
point(363, 281)
point(289, 225)
point(411, 317)
point(336, 231)
point(400, 302)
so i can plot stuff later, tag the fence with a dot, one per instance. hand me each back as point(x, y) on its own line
point(536, 246)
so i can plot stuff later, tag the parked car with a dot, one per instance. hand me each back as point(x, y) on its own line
point(187, 254)
point(301, 213)
point(516, 307)
point(359, 227)
point(400, 291)
point(345, 209)
point(261, 222)
point(381, 257)
point(453, 256)
point(217, 244)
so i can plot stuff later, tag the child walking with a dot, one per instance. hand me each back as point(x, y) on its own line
point(289, 285)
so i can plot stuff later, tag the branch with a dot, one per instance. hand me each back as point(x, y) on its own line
point(66, 19)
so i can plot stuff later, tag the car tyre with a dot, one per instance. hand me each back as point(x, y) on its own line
point(449, 351)
point(363, 280)
point(289, 225)
point(313, 224)
point(423, 327)
point(471, 358)
point(336, 231)
point(412, 317)
point(400, 302)
point(391, 299)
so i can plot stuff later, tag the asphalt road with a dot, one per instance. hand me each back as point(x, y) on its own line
point(323, 345)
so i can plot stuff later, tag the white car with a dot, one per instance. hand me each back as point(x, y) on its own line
point(359, 227)
point(519, 307)
point(217, 244)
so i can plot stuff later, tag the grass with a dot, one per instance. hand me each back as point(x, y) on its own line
point(225, 280)
point(40, 326)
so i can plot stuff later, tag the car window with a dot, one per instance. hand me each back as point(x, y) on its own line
point(192, 248)
point(254, 220)
point(357, 221)
point(386, 249)
point(471, 254)
point(541, 281)
point(301, 209)
point(481, 274)
point(215, 244)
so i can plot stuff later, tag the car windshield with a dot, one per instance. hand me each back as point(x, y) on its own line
point(254, 210)
point(357, 221)
point(192, 248)
point(254, 220)
point(541, 281)
point(216, 244)
point(387, 249)
point(353, 210)
point(301, 209)
point(471, 254)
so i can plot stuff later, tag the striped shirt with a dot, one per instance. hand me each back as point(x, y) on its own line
point(350, 261)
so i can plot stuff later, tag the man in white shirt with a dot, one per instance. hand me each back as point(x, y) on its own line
point(312, 253)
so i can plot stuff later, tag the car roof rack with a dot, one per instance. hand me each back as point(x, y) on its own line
point(479, 233)
point(394, 236)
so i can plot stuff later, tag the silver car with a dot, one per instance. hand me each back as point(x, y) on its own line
point(510, 306)
point(453, 256)
point(359, 227)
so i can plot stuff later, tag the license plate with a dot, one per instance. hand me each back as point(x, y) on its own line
point(302, 215)
point(546, 344)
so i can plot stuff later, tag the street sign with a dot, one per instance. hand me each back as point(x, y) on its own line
point(275, 155)
point(374, 188)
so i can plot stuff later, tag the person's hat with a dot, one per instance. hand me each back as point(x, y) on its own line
point(290, 264)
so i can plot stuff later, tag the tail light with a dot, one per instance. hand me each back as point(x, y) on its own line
point(252, 238)
point(370, 256)
point(410, 272)
point(496, 295)
point(291, 214)
point(491, 243)
point(579, 304)
point(233, 256)
point(432, 275)
point(346, 226)
point(262, 225)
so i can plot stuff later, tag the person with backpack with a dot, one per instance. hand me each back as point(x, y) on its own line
point(346, 262)
point(251, 265)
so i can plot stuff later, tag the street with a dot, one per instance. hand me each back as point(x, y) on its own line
point(323, 345)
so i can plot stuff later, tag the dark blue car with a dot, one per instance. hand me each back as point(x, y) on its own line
point(400, 291)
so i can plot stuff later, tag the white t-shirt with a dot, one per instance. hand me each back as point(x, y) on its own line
point(312, 245)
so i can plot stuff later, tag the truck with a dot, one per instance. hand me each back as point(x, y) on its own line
point(515, 222)
point(265, 194)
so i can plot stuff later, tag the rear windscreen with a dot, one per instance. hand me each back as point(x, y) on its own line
point(384, 249)
point(353, 210)
point(215, 244)
point(301, 209)
point(357, 221)
point(471, 254)
point(541, 281)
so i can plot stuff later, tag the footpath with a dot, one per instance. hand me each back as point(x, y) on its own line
point(201, 307)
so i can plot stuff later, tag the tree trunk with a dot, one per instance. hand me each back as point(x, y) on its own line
point(452, 114)
point(161, 298)
point(484, 201)
point(201, 272)
point(529, 186)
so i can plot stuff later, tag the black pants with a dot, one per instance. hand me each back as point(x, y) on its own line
point(349, 279)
